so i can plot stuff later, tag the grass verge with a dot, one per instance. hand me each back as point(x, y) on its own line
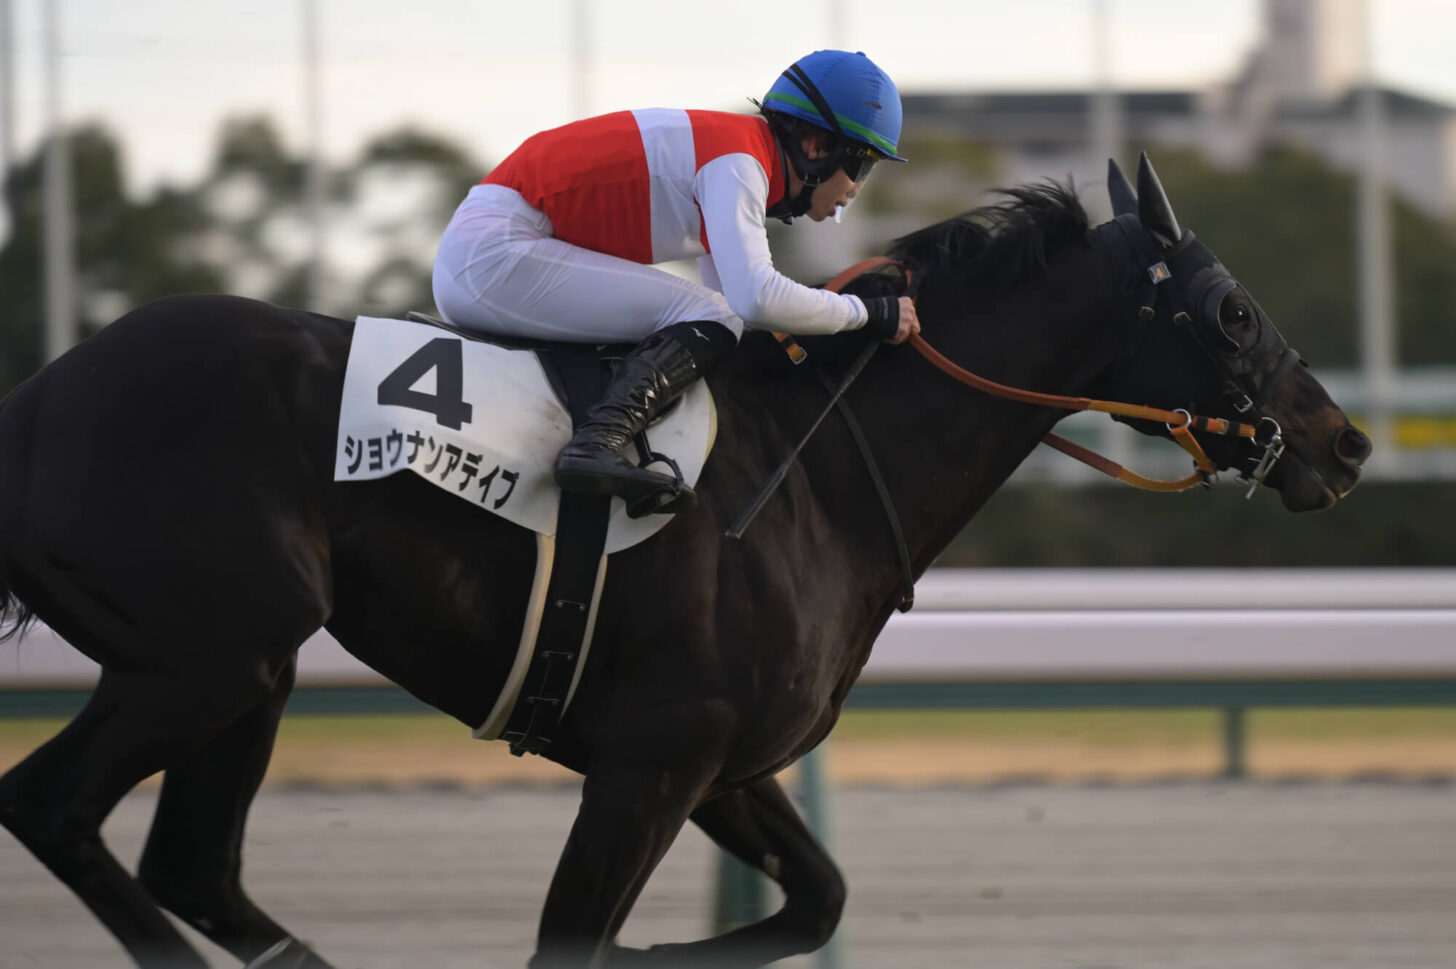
point(898, 746)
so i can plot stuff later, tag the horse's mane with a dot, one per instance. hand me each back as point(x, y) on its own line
point(999, 245)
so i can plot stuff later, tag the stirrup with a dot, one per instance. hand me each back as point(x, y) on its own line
point(666, 500)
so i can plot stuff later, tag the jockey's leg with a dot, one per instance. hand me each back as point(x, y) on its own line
point(500, 270)
point(651, 376)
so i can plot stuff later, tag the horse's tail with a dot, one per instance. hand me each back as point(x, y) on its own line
point(15, 616)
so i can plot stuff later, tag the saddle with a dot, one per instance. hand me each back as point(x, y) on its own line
point(572, 369)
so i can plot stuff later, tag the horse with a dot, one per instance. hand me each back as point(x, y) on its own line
point(167, 505)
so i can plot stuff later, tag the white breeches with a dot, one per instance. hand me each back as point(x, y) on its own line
point(499, 270)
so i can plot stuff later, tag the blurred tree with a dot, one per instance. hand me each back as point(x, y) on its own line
point(125, 253)
point(251, 144)
point(400, 195)
point(417, 147)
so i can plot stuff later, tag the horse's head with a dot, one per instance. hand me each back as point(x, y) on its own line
point(1207, 347)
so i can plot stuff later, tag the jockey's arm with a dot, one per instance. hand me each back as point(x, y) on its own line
point(732, 192)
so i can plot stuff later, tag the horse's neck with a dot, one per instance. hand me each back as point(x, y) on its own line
point(945, 448)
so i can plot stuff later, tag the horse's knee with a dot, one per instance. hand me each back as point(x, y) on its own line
point(68, 848)
point(17, 813)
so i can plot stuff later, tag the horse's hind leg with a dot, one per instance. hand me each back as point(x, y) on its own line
point(192, 863)
point(759, 825)
point(56, 799)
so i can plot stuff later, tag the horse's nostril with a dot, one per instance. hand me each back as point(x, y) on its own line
point(1351, 446)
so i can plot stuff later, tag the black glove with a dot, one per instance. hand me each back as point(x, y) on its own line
point(884, 321)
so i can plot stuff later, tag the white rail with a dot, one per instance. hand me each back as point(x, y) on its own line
point(1043, 590)
point(1056, 623)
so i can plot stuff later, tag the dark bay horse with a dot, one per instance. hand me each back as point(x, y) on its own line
point(167, 505)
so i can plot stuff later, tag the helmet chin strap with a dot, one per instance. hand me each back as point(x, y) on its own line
point(809, 172)
point(788, 209)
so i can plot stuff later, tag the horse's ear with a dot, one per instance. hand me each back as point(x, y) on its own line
point(1124, 199)
point(1154, 210)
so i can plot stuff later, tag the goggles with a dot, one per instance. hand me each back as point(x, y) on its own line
point(857, 160)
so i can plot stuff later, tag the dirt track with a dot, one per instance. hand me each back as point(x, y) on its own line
point(1149, 876)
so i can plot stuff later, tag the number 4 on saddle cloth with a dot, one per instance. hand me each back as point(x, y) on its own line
point(484, 422)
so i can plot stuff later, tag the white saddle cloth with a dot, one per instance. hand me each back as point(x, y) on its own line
point(481, 422)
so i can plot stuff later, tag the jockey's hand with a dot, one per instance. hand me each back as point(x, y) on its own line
point(909, 322)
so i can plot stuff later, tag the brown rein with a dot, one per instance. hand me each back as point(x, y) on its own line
point(1180, 423)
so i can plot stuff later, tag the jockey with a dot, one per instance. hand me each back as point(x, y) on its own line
point(557, 243)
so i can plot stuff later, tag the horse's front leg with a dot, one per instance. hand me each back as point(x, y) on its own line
point(759, 825)
point(629, 816)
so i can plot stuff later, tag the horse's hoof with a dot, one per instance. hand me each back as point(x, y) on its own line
point(624, 957)
point(288, 953)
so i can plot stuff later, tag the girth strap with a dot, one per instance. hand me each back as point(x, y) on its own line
point(581, 536)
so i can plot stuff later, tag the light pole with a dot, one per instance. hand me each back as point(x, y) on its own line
point(581, 58)
point(313, 179)
point(7, 90)
point(1105, 138)
point(57, 231)
point(1372, 235)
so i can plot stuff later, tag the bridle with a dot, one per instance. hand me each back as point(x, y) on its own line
point(1181, 424)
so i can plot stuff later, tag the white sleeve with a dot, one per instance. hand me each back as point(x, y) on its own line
point(732, 193)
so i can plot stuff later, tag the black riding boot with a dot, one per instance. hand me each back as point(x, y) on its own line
point(650, 377)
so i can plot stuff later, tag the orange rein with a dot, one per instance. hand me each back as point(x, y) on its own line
point(1180, 423)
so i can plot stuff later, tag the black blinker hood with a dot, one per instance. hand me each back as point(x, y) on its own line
point(1256, 370)
point(1187, 281)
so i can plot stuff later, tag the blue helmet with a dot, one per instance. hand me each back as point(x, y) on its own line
point(843, 93)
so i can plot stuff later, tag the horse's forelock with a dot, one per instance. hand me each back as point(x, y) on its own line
point(999, 245)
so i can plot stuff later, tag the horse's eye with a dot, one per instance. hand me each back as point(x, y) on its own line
point(1236, 312)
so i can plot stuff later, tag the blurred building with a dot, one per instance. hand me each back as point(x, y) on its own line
point(1298, 87)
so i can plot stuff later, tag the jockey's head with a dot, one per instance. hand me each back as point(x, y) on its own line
point(833, 111)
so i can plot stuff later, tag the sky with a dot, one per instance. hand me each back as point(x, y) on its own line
point(163, 74)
